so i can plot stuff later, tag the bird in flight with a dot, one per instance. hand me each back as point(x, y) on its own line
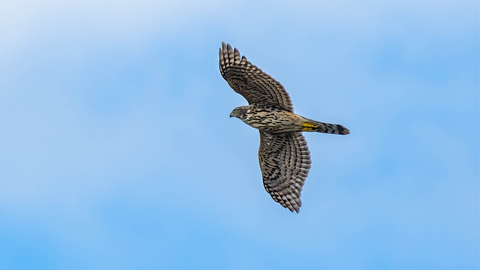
point(283, 154)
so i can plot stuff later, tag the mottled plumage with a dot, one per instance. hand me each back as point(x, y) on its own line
point(283, 154)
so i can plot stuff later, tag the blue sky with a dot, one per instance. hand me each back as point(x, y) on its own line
point(117, 152)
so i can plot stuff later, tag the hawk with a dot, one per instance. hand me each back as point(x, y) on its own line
point(283, 154)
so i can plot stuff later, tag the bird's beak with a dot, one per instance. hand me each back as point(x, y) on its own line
point(231, 114)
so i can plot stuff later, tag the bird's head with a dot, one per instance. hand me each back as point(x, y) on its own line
point(239, 112)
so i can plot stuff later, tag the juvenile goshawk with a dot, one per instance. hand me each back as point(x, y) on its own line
point(284, 156)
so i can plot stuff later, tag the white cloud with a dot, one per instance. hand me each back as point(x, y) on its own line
point(23, 21)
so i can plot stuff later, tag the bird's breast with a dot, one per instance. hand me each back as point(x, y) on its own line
point(273, 120)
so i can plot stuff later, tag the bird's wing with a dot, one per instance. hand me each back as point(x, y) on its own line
point(285, 162)
point(251, 82)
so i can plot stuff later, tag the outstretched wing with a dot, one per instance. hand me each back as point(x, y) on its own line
point(256, 86)
point(285, 162)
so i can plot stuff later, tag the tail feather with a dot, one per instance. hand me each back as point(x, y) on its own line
point(316, 126)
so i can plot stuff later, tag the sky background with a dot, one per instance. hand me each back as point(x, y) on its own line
point(117, 152)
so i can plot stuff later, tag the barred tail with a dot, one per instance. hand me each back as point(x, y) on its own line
point(311, 125)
